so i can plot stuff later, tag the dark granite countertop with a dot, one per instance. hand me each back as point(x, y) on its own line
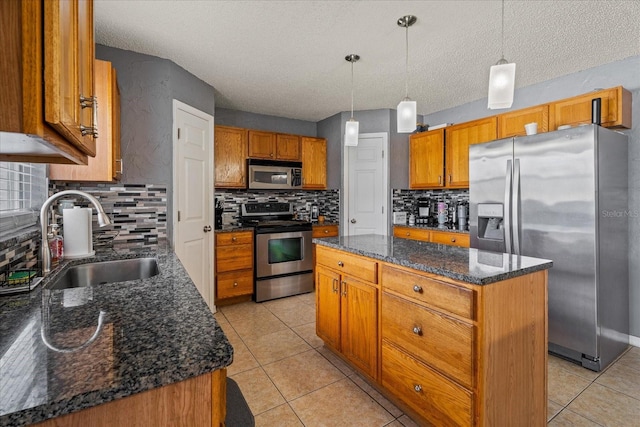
point(155, 332)
point(436, 228)
point(232, 228)
point(464, 264)
point(322, 224)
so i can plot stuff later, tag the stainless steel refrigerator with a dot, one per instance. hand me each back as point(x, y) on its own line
point(562, 196)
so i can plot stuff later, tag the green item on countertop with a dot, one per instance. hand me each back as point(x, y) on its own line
point(20, 277)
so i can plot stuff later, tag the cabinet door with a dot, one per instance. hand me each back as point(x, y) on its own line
point(328, 306)
point(262, 144)
point(230, 157)
point(458, 139)
point(512, 123)
point(288, 147)
point(615, 109)
point(68, 69)
point(426, 159)
point(314, 163)
point(118, 165)
point(100, 168)
point(359, 320)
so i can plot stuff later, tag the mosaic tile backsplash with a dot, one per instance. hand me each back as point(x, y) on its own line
point(328, 202)
point(406, 200)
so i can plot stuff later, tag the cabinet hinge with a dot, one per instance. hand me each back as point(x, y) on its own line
point(178, 216)
point(178, 133)
point(383, 210)
point(383, 154)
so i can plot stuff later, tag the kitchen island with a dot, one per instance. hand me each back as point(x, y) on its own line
point(453, 336)
point(158, 357)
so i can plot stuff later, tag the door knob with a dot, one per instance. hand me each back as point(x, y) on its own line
point(353, 220)
point(207, 228)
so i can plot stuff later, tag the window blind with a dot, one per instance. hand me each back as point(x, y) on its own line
point(23, 190)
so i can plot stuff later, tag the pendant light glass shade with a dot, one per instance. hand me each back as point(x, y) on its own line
point(407, 112)
point(351, 131)
point(502, 80)
point(352, 126)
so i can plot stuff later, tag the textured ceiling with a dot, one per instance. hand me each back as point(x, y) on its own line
point(286, 58)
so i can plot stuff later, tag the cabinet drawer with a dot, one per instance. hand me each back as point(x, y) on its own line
point(237, 257)
point(234, 283)
point(439, 340)
point(234, 238)
point(325, 231)
point(411, 233)
point(454, 239)
point(352, 265)
point(440, 401)
point(454, 299)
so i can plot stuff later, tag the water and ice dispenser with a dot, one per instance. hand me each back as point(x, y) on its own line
point(490, 232)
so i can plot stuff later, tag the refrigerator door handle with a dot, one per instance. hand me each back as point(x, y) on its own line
point(516, 207)
point(507, 209)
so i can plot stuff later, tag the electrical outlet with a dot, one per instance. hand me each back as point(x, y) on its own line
point(308, 206)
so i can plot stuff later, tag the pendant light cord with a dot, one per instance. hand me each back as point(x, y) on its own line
point(502, 48)
point(352, 90)
point(406, 65)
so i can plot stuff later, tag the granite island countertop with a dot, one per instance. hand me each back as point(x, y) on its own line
point(155, 332)
point(467, 265)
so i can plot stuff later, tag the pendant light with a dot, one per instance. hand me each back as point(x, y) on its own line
point(501, 79)
point(407, 109)
point(352, 126)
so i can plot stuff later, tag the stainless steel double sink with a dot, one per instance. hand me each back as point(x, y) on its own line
point(97, 273)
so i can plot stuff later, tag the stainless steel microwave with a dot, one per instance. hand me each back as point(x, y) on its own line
point(274, 175)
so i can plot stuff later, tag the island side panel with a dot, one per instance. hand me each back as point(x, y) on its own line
point(192, 402)
point(512, 351)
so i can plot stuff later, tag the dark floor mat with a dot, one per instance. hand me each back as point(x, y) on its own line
point(238, 412)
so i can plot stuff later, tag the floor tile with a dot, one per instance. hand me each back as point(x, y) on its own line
point(557, 362)
point(309, 299)
point(408, 422)
point(303, 373)
point(258, 390)
point(240, 311)
point(281, 416)
point(335, 360)
point(622, 378)
point(553, 409)
point(276, 346)
point(308, 333)
point(607, 407)
point(631, 358)
point(258, 324)
point(569, 418)
point(299, 314)
point(340, 404)
point(382, 401)
point(243, 360)
point(564, 386)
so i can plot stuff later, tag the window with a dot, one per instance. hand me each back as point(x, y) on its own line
point(23, 190)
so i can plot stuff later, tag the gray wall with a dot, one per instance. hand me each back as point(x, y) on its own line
point(330, 129)
point(148, 86)
point(243, 119)
point(625, 73)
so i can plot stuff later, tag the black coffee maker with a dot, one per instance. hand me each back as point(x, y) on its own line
point(218, 217)
point(424, 212)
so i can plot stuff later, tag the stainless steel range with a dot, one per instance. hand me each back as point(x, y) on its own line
point(283, 251)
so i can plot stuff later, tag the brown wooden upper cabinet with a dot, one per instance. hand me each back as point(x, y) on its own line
point(512, 123)
point(230, 157)
point(615, 110)
point(314, 163)
point(426, 159)
point(273, 146)
point(458, 138)
point(46, 81)
point(107, 164)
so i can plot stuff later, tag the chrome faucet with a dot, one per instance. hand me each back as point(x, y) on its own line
point(45, 252)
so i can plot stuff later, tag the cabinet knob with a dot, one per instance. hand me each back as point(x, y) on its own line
point(417, 288)
point(326, 231)
point(340, 264)
point(408, 234)
point(235, 284)
point(453, 239)
point(234, 239)
point(417, 388)
point(270, 154)
point(417, 330)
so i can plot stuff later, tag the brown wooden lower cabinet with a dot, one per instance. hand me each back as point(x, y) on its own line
point(234, 266)
point(198, 401)
point(433, 236)
point(450, 353)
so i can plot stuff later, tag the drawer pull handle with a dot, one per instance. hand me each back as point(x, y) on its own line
point(417, 330)
point(417, 288)
point(340, 264)
point(235, 284)
point(417, 388)
point(335, 286)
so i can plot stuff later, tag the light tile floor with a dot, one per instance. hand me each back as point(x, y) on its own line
point(289, 378)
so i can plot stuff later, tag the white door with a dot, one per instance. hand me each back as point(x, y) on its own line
point(367, 192)
point(193, 194)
